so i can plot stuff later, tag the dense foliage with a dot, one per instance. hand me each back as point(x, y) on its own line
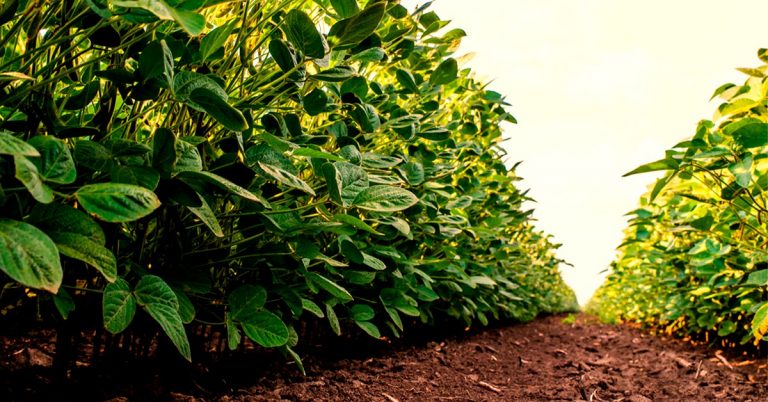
point(246, 163)
point(694, 259)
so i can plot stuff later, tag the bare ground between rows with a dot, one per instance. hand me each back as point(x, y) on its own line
point(546, 360)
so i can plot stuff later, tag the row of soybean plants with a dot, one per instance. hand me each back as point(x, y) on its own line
point(247, 164)
point(695, 256)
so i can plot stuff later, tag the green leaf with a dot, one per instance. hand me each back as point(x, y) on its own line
point(266, 329)
point(366, 116)
point(435, 134)
point(282, 55)
point(285, 177)
point(662, 164)
point(350, 250)
point(313, 308)
point(356, 223)
point(186, 308)
point(64, 303)
point(405, 78)
point(742, 171)
point(353, 30)
point(335, 74)
point(188, 158)
point(92, 155)
point(369, 55)
point(156, 60)
point(233, 333)
point(373, 262)
point(445, 73)
point(84, 249)
point(302, 33)
point(369, 328)
point(143, 176)
point(118, 306)
point(315, 102)
point(160, 302)
point(164, 151)
point(329, 286)
point(345, 8)
point(55, 164)
point(190, 21)
point(10, 145)
point(219, 109)
point(63, 218)
point(215, 39)
point(758, 278)
point(752, 135)
point(26, 173)
point(385, 199)
point(117, 202)
point(345, 181)
point(29, 256)
point(207, 216)
point(246, 301)
point(760, 322)
point(333, 320)
point(313, 153)
point(221, 183)
point(361, 312)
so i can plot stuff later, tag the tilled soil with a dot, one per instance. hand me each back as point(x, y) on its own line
point(546, 360)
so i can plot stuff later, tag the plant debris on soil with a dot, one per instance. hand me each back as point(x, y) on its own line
point(545, 360)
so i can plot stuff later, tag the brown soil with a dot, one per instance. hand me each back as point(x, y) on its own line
point(546, 360)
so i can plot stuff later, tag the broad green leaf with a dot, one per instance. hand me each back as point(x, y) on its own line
point(369, 328)
point(186, 82)
point(445, 73)
point(329, 286)
point(246, 301)
point(286, 178)
point(192, 22)
point(742, 171)
point(302, 33)
point(62, 218)
point(266, 329)
point(758, 278)
point(361, 312)
point(219, 109)
point(171, 323)
point(29, 256)
point(345, 8)
point(435, 134)
point(64, 303)
point(282, 55)
point(118, 306)
point(413, 172)
point(158, 299)
point(350, 250)
point(369, 55)
point(143, 176)
point(156, 60)
point(117, 202)
point(315, 102)
point(84, 249)
point(353, 30)
point(10, 145)
point(188, 158)
point(26, 173)
point(215, 39)
point(366, 116)
point(345, 181)
point(55, 164)
point(752, 135)
point(92, 155)
point(385, 199)
point(405, 78)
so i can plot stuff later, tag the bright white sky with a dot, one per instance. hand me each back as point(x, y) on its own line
point(600, 87)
